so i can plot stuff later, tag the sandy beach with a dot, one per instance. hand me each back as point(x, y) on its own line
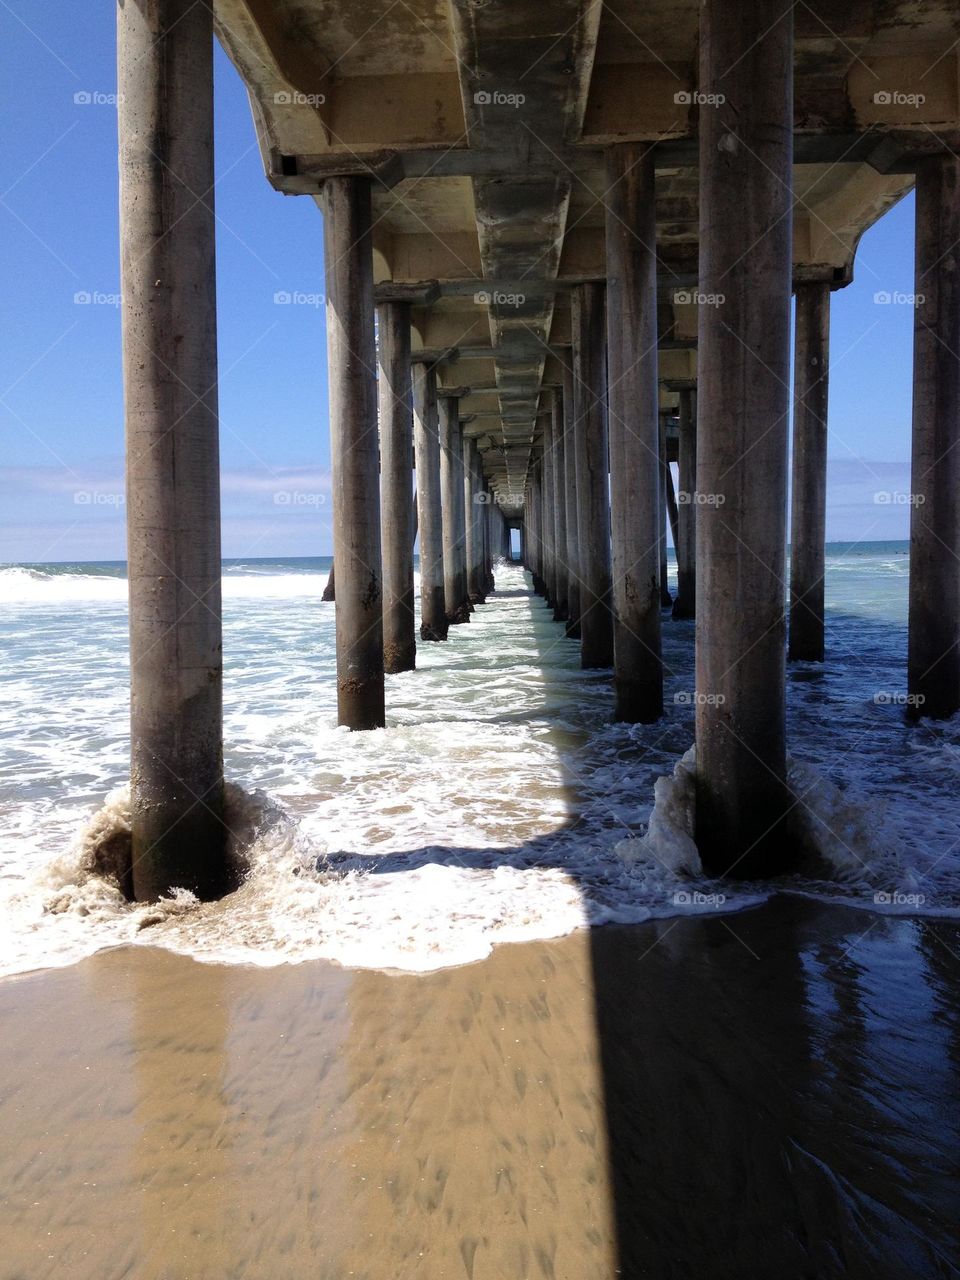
point(747, 1095)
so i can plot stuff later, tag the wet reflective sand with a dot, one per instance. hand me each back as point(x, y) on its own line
point(767, 1094)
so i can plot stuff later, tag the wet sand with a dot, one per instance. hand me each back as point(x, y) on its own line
point(767, 1094)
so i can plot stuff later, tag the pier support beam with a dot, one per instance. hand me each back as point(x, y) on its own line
point(354, 447)
point(165, 62)
point(590, 434)
point(933, 660)
point(426, 443)
point(474, 514)
point(746, 153)
point(663, 468)
point(547, 513)
point(684, 606)
point(631, 228)
point(454, 516)
point(570, 502)
point(561, 575)
point(809, 499)
point(396, 486)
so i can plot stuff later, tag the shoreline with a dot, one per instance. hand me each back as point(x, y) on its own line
point(779, 1073)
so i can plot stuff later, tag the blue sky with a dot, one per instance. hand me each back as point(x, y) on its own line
point(60, 389)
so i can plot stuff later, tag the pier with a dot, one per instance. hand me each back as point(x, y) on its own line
point(563, 248)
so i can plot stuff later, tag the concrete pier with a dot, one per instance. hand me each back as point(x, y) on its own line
point(165, 82)
point(426, 441)
point(685, 604)
point(473, 513)
point(808, 520)
point(354, 448)
point(548, 520)
point(561, 574)
point(743, 374)
point(933, 661)
point(455, 597)
point(571, 504)
point(590, 435)
point(631, 231)
point(666, 599)
point(394, 390)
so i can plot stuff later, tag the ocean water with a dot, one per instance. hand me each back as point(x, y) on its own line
point(499, 804)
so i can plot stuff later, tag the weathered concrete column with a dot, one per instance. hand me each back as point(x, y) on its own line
point(474, 512)
point(165, 71)
point(354, 448)
point(426, 445)
point(590, 434)
point(809, 499)
point(571, 505)
point(547, 516)
point(666, 598)
point(560, 573)
point(685, 604)
point(454, 512)
point(934, 623)
point(631, 231)
point(746, 154)
point(396, 464)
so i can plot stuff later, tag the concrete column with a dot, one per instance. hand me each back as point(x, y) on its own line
point(590, 434)
point(426, 443)
point(571, 505)
point(547, 517)
point(746, 154)
point(475, 512)
point(354, 447)
point(809, 511)
point(666, 599)
point(396, 464)
point(454, 512)
point(165, 65)
point(631, 229)
point(559, 509)
point(933, 648)
point(684, 606)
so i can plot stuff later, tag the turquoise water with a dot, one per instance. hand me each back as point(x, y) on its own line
point(500, 802)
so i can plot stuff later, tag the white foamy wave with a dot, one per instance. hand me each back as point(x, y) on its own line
point(24, 585)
